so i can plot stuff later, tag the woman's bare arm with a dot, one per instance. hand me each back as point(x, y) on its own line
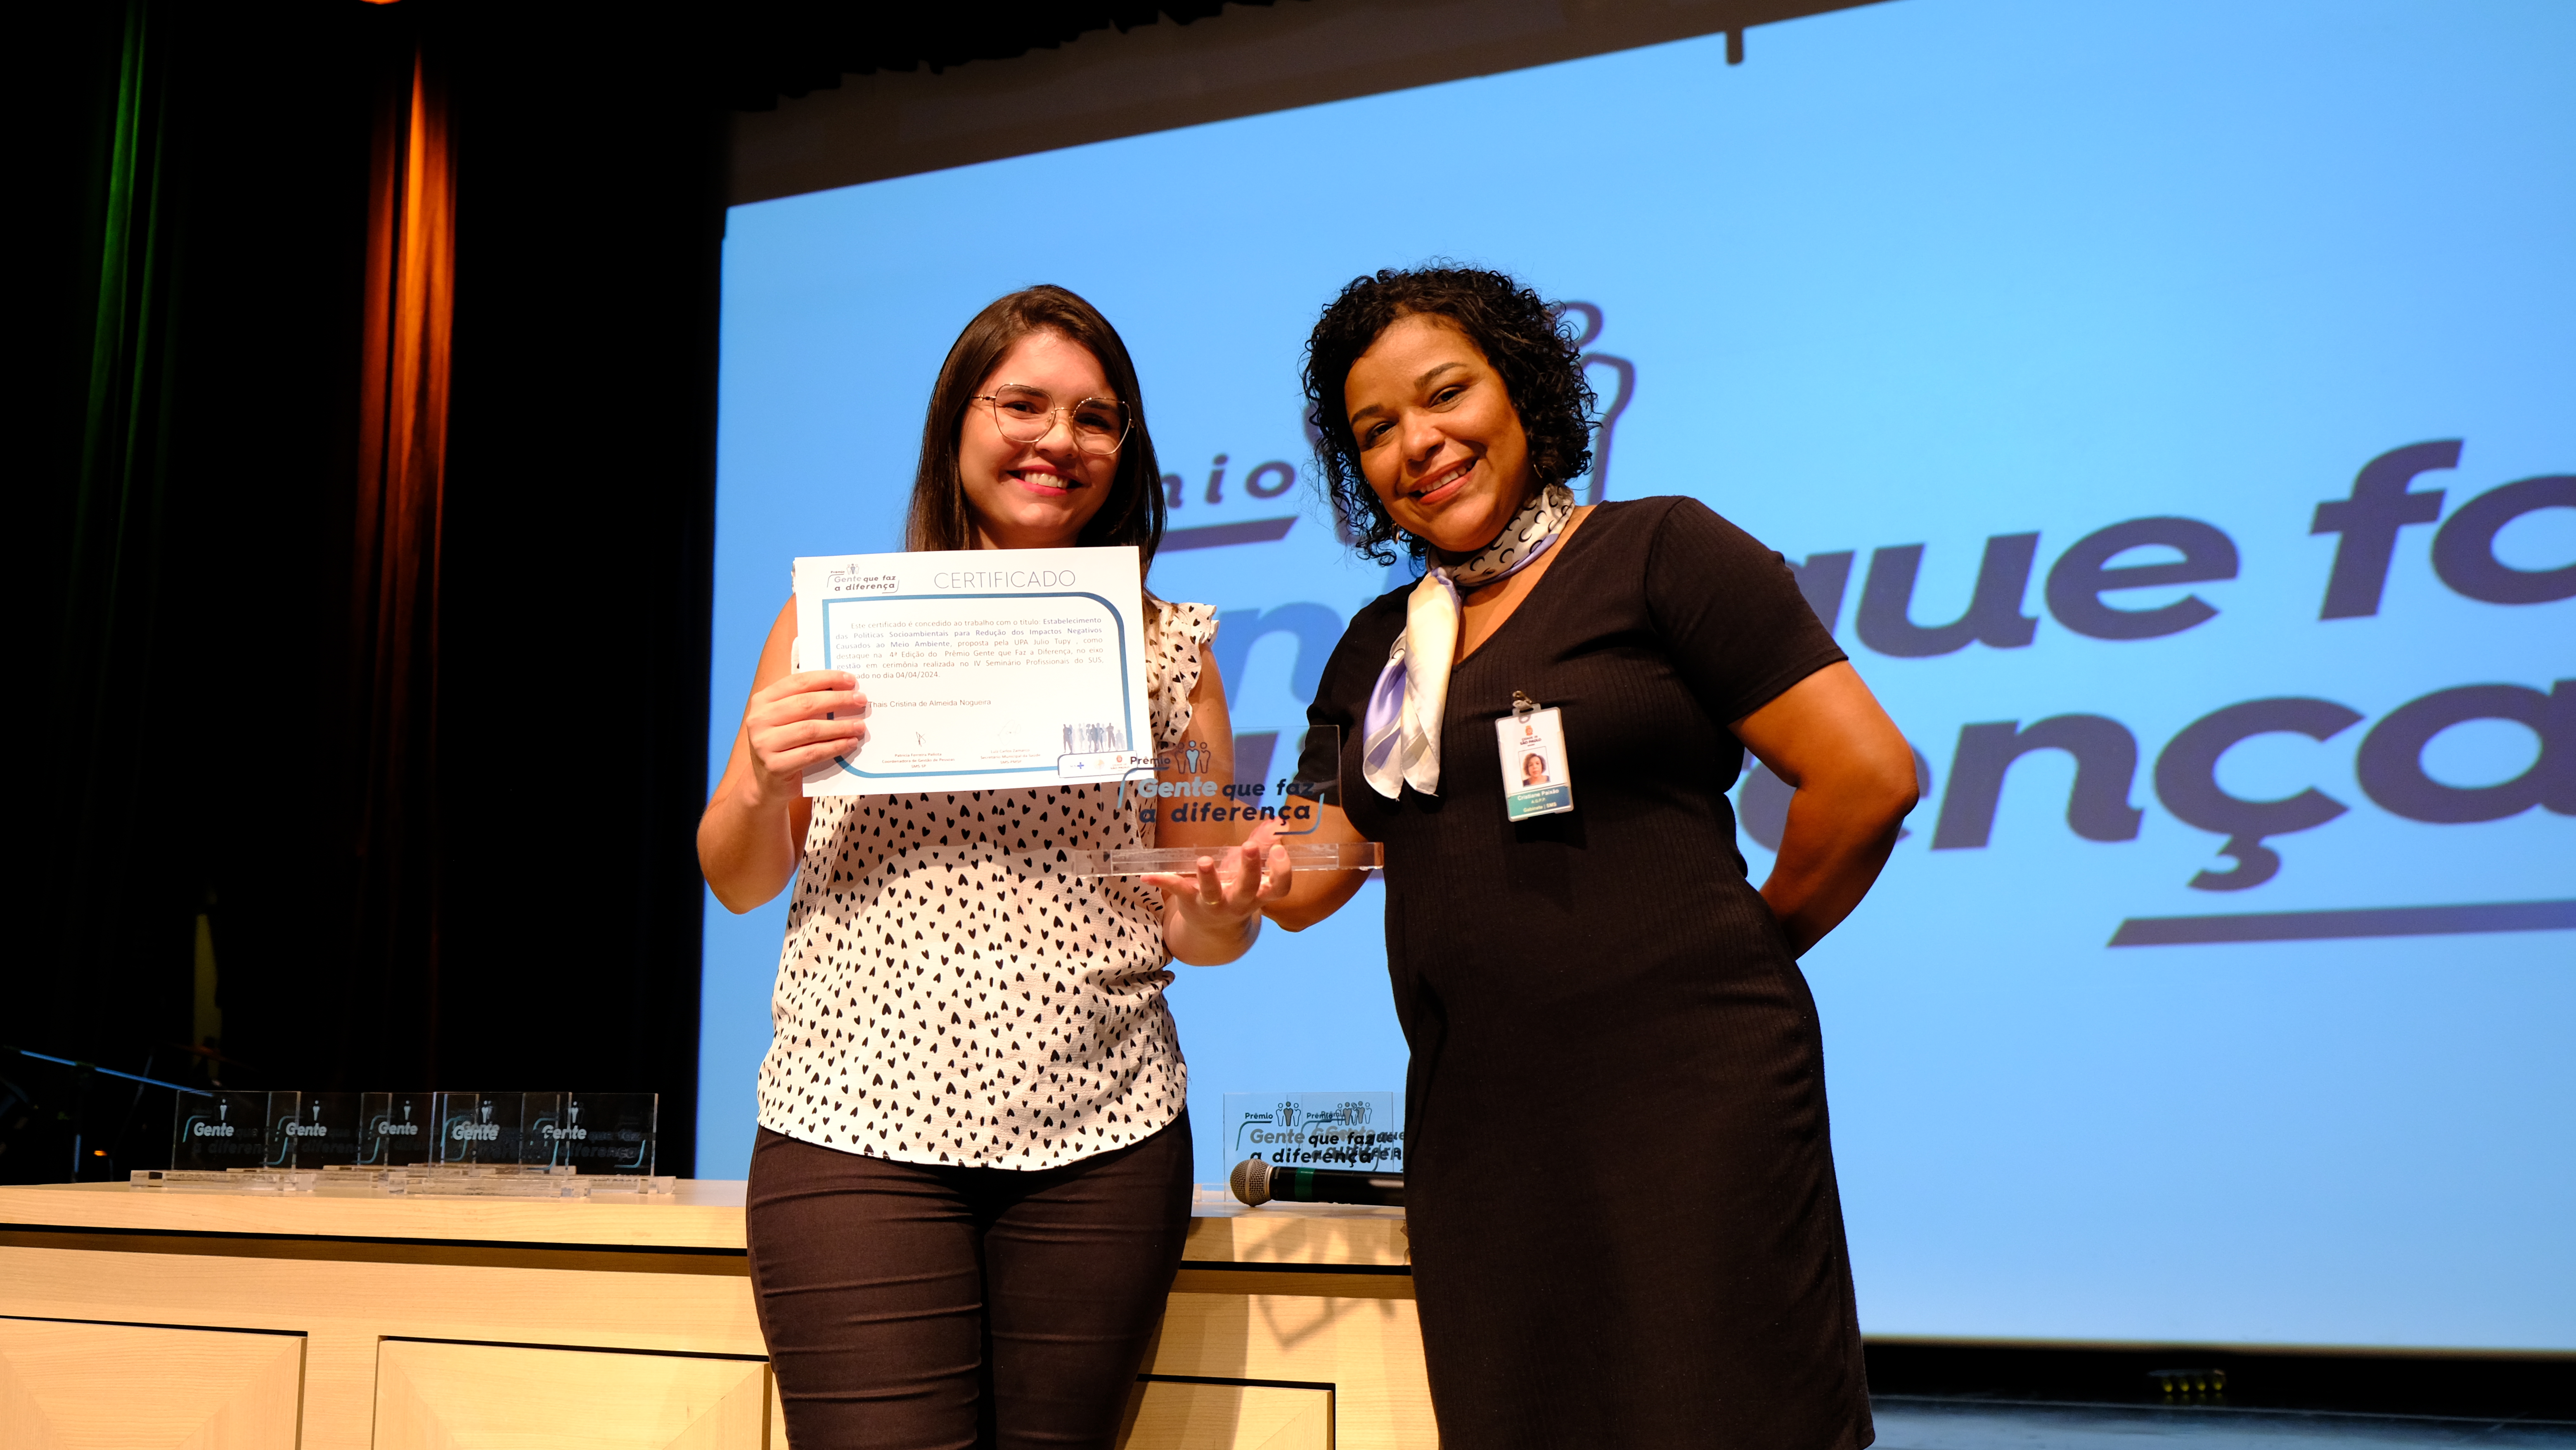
point(1314, 895)
point(1213, 915)
point(1827, 738)
point(753, 832)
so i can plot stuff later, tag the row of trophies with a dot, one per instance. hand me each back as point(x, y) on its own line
point(417, 1144)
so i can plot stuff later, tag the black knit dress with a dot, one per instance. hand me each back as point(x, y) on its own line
point(1619, 1181)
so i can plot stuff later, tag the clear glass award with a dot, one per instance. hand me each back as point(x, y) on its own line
point(1181, 785)
point(542, 1132)
point(494, 1145)
point(285, 1110)
point(397, 1130)
point(595, 1133)
point(322, 1131)
point(1349, 1130)
point(426, 1145)
point(479, 1128)
point(212, 1132)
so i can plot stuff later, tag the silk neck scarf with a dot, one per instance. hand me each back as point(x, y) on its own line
point(1401, 737)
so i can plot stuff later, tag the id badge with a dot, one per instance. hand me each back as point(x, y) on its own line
point(1535, 780)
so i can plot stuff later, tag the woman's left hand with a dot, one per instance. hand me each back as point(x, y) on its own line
point(1212, 915)
point(1853, 775)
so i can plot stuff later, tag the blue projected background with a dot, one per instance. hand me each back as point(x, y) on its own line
point(1929, 296)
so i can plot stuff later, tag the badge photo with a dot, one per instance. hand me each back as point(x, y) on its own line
point(1532, 745)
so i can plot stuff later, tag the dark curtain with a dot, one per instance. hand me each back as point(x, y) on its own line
point(398, 500)
point(99, 958)
point(168, 444)
point(330, 774)
point(581, 452)
point(282, 722)
point(115, 523)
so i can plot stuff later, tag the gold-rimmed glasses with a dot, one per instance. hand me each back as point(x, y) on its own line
point(1025, 415)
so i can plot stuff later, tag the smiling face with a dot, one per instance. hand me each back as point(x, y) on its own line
point(1440, 442)
point(1035, 495)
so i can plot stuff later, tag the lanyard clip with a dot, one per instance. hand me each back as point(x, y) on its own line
point(1522, 705)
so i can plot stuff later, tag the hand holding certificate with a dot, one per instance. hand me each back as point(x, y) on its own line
point(983, 670)
point(993, 670)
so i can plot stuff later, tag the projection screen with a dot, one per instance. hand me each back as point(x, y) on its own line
point(2171, 407)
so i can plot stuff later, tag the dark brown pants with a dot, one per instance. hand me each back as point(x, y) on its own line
point(919, 1307)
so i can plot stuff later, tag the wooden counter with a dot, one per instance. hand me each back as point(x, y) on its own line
point(150, 1318)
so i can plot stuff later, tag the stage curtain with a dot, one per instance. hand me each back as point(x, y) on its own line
point(273, 674)
point(399, 520)
point(105, 526)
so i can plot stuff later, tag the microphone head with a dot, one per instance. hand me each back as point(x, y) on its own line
point(1251, 1181)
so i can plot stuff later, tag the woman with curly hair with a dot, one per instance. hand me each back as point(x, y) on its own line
point(1598, 990)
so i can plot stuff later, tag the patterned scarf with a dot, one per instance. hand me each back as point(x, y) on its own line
point(1402, 733)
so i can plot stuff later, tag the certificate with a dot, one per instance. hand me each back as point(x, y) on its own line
point(984, 670)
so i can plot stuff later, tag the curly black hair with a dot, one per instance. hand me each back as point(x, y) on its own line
point(1520, 334)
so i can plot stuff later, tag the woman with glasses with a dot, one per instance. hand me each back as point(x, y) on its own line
point(972, 1177)
point(1602, 1010)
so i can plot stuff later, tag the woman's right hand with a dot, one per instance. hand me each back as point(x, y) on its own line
point(797, 722)
point(753, 832)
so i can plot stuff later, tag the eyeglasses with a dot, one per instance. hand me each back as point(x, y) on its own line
point(1025, 415)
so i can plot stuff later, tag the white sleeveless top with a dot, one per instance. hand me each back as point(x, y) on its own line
point(948, 995)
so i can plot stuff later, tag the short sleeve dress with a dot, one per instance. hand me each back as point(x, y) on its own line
point(1619, 1182)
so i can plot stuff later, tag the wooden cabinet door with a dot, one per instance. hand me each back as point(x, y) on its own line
point(71, 1386)
point(1190, 1415)
point(437, 1396)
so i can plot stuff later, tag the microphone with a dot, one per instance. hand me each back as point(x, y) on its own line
point(1257, 1183)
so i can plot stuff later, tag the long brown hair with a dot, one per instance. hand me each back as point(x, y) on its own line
point(1134, 511)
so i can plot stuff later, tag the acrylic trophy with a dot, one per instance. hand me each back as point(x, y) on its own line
point(479, 1128)
point(321, 1132)
point(214, 1132)
point(397, 1130)
point(543, 1130)
point(284, 1111)
point(612, 1133)
point(417, 1144)
point(1181, 785)
point(1356, 1131)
